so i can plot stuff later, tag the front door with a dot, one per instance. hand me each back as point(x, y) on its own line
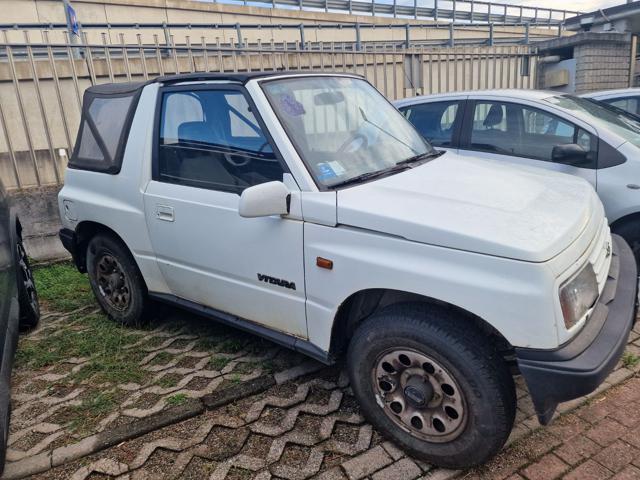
point(209, 146)
point(524, 135)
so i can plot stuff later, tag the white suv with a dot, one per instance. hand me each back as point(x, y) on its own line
point(308, 210)
point(543, 129)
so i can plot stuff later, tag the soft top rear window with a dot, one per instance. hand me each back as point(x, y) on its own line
point(106, 118)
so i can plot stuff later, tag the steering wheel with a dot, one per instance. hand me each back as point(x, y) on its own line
point(241, 163)
point(351, 140)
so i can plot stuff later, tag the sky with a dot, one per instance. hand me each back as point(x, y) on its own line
point(578, 5)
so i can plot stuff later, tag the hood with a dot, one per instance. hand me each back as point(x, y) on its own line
point(476, 205)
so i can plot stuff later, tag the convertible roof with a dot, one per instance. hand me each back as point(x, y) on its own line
point(130, 87)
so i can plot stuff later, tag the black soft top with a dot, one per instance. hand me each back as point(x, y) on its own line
point(116, 88)
point(108, 110)
point(119, 89)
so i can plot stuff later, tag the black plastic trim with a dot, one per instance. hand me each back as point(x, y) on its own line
point(281, 338)
point(68, 239)
point(609, 156)
point(580, 366)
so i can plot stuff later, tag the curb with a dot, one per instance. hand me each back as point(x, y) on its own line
point(44, 461)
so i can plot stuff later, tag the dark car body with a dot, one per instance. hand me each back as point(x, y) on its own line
point(18, 305)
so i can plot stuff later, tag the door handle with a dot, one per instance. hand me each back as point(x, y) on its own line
point(165, 212)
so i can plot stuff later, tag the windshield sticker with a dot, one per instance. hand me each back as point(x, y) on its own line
point(337, 167)
point(290, 105)
point(325, 172)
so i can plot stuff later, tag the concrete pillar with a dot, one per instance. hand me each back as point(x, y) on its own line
point(586, 62)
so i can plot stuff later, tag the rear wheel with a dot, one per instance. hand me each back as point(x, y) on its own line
point(425, 380)
point(27, 294)
point(116, 281)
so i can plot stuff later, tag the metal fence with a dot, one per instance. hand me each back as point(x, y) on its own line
point(358, 36)
point(41, 88)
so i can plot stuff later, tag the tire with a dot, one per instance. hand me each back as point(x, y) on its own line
point(116, 281)
point(4, 436)
point(465, 376)
point(27, 293)
point(630, 231)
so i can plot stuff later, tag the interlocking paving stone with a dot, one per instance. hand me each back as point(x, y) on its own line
point(309, 427)
point(181, 354)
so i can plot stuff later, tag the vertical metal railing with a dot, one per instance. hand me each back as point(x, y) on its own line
point(41, 84)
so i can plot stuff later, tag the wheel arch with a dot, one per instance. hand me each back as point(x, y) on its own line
point(85, 231)
point(630, 217)
point(362, 304)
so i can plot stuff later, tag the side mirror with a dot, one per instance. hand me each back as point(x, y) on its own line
point(266, 199)
point(570, 153)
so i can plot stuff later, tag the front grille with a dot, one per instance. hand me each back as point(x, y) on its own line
point(600, 256)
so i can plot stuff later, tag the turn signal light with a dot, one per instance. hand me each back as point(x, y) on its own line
point(324, 263)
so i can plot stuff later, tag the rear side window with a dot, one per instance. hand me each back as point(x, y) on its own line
point(103, 131)
point(629, 104)
point(435, 120)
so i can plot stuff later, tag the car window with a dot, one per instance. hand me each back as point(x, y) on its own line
point(601, 115)
point(343, 128)
point(211, 139)
point(103, 130)
point(629, 104)
point(519, 130)
point(434, 120)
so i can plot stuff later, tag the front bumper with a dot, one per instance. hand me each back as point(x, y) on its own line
point(581, 365)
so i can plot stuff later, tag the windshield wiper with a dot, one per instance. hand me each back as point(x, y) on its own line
point(421, 156)
point(375, 125)
point(369, 175)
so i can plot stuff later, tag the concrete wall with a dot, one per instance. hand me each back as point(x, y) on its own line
point(37, 209)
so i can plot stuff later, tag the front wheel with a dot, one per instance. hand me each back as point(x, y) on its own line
point(426, 380)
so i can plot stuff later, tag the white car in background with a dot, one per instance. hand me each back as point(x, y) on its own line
point(544, 129)
point(628, 99)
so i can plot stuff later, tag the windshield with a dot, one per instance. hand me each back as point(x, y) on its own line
point(603, 116)
point(342, 127)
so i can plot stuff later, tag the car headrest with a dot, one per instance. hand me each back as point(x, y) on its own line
point(194, 132)
point(494, 117)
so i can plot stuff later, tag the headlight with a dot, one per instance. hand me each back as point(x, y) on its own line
point(578, 295)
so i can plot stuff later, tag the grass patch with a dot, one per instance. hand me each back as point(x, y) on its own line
point(230, 345)
point(162, 358)
point(177, 399)
point(218, 363)
point(168, 381)
point(62, 288)
point(630, 360)
point(89, 412)
point(99, 339)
